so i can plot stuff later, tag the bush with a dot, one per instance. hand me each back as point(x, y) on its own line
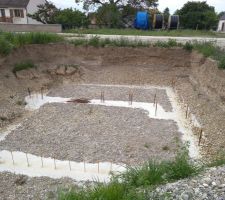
point(5, 46)
point(188, 46)
point(222, 62)
point(28, 64)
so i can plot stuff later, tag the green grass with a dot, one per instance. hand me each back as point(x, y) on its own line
point(112, 191)
point(131, 184)
point(174, 33)
point(97, 42)
point(28, 64)
point(10, 41)
point(209, 49)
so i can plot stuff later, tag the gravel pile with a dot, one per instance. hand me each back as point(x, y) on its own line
point(208, 186)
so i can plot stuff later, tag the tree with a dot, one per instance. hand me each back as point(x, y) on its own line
point(221, 14)
point(134, 3)
point(46, 13)
point(71, 18)
point(166, 14)
point(197, 15)
point(109, 15)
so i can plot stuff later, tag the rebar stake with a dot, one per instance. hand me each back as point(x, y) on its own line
point(98, 167)
point(42, 164)
point(156, 108)
point(42, 96)
point(187, 109)
point(29, 92)
point(84, 166)
point(200, 137)
point(130, 98)
point(54, 163)
point(70, 166)
point(12, 158)
point(155, 99)
point(102, 97)
point(28, 165)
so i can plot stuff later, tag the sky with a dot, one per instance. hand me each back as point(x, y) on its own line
point(173, 5)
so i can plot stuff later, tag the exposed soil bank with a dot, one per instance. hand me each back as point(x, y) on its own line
point(197, 81)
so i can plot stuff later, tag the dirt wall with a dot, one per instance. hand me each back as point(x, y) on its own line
point(208, 77)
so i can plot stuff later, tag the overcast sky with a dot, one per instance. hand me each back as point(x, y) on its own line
point(172, 4)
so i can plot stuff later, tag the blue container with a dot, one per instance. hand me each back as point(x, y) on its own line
point(142, 20)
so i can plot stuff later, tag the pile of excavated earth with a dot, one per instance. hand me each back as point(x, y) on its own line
point(83, 112)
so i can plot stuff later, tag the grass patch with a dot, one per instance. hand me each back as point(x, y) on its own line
point(155, 173)
point(9, 41)
point(112, 191)
point(167, 44)
point(97, 42)
point(28, 64)
point(219, 160)
point(130, 184)
point(174, 33)
point(209, 49)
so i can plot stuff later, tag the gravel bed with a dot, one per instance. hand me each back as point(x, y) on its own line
point(21, 187)
point(113, 93)
point(210, 185)
point(94, 133)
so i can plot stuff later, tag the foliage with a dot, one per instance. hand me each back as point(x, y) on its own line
point(197, 15)
point(28, 64)
point(126, 186)
point(97, 42)
point(5, 46)
point(109, 15)
point(155, 173)
point(188, 46)
point(168, 44)
point(175, 33)
point(112, 191)
point(46, 13)
point(166, 14)
point(89, 4)
point(71, 18)
point(218, 160)
point(9, 41)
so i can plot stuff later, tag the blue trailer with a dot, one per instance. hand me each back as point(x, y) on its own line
point(142, 20)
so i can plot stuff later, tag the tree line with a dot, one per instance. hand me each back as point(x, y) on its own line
point(121, 13)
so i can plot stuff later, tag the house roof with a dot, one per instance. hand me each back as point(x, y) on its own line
point(223, 17)
point(14, 3)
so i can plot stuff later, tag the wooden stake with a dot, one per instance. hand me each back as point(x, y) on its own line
point(12, 158)
point(70, 166)
point(28, 165)
point(200, 137)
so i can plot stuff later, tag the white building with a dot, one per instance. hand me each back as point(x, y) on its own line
point(221, 26)
point(15, 11)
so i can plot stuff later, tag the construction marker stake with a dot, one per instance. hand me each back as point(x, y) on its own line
point(54, 163)
point(42, 164)
point(156, 108)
